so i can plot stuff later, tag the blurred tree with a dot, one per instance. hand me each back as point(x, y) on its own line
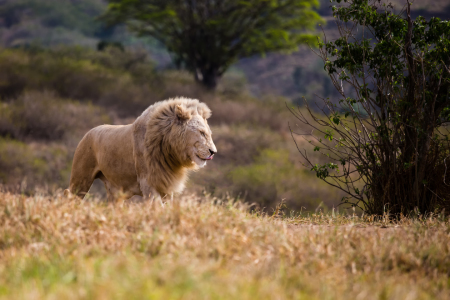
point(207, 36)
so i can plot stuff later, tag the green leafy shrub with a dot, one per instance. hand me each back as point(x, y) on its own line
point(386, 140)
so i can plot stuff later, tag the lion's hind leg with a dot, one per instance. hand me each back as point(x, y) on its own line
point(80, 185)
point(84, 168)
point(81, 180)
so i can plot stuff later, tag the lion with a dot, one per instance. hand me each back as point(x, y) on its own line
point(150, 158)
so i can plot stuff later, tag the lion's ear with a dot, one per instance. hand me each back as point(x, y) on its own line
point(182, 114)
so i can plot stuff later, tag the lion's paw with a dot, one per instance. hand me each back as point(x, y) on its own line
point(67, 193)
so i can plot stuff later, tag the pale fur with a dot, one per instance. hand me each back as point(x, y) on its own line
point(149, 158)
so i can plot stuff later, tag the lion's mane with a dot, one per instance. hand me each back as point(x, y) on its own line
point(166, 171)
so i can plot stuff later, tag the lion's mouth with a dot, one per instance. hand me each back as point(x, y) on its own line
point(208, 158)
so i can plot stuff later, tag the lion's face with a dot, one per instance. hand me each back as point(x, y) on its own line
point(200, 146)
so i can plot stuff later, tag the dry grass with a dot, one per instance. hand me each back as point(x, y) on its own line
point(202, 248)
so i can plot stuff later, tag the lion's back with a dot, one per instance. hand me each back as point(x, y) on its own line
point(111, 143)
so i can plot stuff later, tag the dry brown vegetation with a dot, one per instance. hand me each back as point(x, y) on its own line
point(206, 248)
point(40, 115)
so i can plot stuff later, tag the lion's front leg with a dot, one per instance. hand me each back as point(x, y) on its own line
point(149, 193)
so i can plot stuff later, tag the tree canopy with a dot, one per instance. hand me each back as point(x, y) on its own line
point(207, 36)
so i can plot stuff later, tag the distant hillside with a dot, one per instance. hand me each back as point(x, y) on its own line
point(50, 23)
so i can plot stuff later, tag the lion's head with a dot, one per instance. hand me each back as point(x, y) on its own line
point(177, 138)
point(199, 146)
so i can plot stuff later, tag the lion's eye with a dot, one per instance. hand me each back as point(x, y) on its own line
point(203, 134)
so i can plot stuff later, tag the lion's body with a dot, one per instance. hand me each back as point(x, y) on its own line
point(150, 157)
point(105, 152)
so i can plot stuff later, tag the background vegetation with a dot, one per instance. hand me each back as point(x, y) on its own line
point(52, 92)
point(387, 138)
point(51, 97)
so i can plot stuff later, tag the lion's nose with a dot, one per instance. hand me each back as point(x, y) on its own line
point(212, 152)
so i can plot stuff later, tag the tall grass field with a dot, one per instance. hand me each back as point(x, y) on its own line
point(201, 247)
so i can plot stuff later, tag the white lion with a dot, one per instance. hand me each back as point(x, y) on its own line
point(149, 158)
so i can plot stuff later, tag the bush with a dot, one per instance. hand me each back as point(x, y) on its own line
point(124, 82)
point(17, 162)
point(273, 176)
point(386, 140)
point(43, 116)
point(23, 168)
